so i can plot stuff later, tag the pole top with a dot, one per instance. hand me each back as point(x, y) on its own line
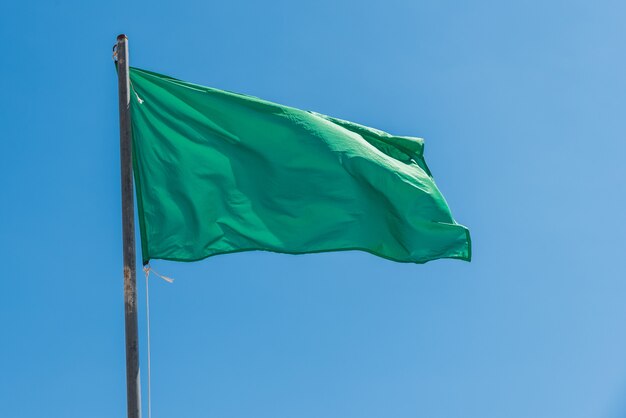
point(121, 37)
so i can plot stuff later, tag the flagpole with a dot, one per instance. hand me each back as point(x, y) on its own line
point(133, 386)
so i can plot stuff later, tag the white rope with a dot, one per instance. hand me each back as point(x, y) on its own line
point(147, 269)
point(139, 99)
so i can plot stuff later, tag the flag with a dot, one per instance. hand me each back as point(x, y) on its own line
point(218, 172)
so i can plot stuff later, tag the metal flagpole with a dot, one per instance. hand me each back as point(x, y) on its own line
point(133, 386)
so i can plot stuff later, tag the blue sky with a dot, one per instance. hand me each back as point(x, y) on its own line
point(522, 108)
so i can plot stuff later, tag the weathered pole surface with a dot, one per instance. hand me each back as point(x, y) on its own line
point(133, 387)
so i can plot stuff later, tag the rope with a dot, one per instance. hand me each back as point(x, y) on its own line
point(140, 100)
point(147, 269)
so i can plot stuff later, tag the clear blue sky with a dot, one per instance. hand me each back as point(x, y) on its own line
point(522, 105)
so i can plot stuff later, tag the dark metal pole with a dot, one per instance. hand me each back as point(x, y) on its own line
point(133, 387)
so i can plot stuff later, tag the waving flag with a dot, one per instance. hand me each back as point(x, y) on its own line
point(218, 172)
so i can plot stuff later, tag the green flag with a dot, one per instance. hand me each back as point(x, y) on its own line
point(218, 172)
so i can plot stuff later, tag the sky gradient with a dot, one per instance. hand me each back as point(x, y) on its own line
point(522, 109)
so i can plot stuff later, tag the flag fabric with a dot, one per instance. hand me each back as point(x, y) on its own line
point(218, 172)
